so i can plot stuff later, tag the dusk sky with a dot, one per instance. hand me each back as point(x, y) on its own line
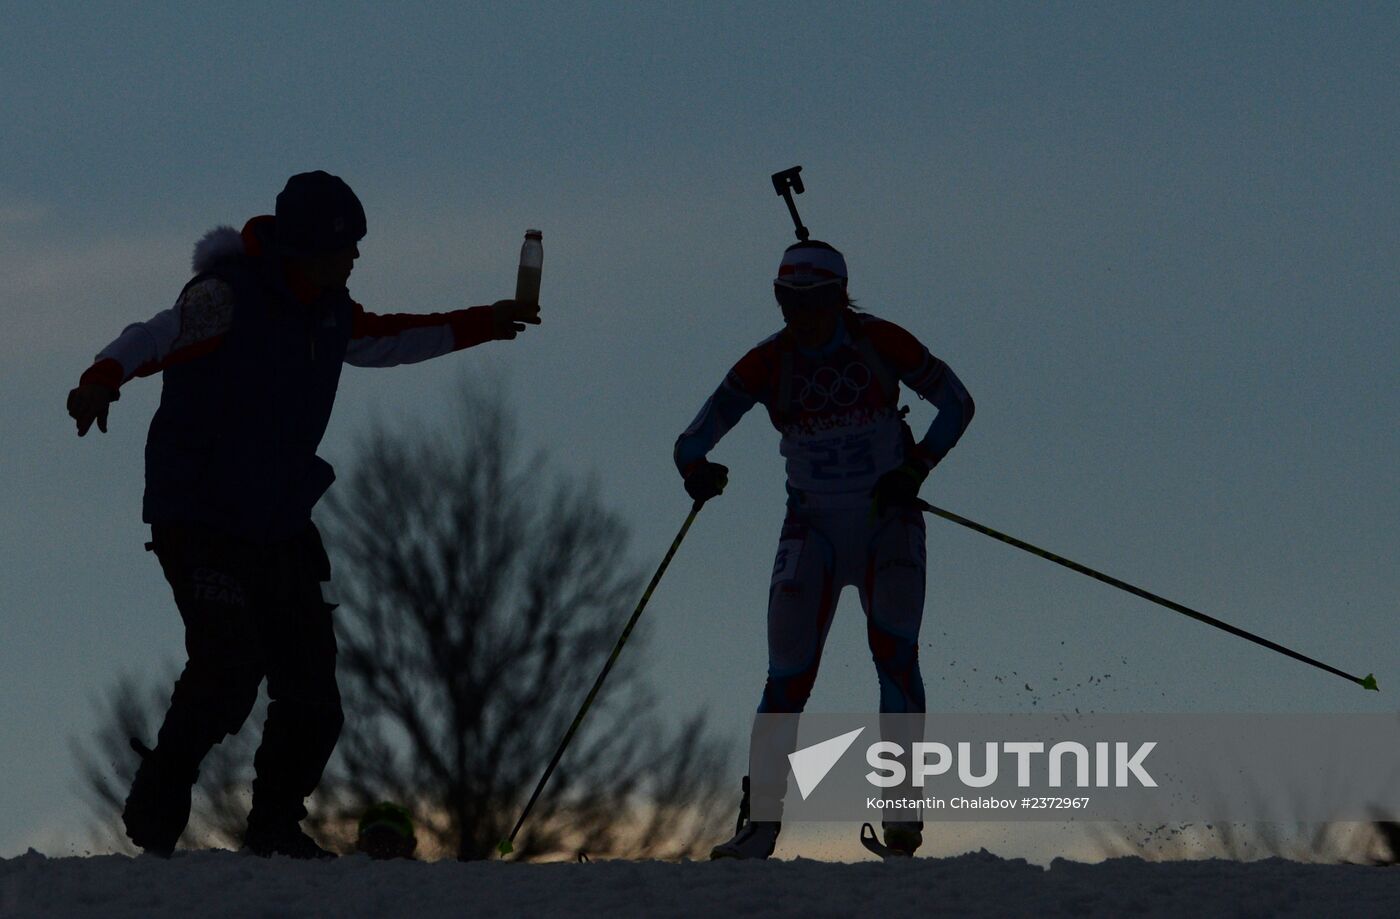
point(1160, 244)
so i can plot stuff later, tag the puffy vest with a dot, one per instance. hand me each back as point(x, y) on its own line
point(233, 444)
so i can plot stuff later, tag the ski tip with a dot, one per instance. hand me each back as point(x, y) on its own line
point(504, 847)
point(1370, 683)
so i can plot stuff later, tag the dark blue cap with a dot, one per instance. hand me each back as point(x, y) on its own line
point(317, 213)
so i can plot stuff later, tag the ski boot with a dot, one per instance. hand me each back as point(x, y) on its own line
point(902, 838)
point(265, 840)
point(752, 839)
point(275, 829)
point(158, 806)
point(756, 839)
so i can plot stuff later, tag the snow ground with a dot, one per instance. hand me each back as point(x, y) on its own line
point(212, 884)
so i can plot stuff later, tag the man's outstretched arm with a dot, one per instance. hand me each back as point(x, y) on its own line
point(405, 338)
point(195, 325)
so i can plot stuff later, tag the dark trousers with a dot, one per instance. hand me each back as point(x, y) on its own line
point(253, 612)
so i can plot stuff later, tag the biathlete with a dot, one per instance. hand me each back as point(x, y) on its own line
point(830, 382)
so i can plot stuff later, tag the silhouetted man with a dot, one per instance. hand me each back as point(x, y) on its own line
point(251, 355)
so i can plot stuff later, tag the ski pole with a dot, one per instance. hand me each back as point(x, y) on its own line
point(1367, 682)
point(506, 846)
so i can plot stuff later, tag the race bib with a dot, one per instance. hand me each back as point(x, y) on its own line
point(785, 564)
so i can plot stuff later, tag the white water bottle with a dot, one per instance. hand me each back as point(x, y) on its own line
point(527, 279)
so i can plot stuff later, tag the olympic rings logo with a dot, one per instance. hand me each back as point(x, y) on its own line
point(827, 387)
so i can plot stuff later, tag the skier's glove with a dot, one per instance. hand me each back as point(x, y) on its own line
point(899, 487)
point(706, 481)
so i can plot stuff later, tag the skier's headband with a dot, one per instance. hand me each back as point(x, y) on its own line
point(807, 265)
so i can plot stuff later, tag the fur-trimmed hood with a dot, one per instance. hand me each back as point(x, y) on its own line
point(219, 244)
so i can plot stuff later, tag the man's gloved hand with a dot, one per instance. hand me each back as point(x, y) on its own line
point(510, 317)
point(899, 487)
point(88, 403)
point(706, 481)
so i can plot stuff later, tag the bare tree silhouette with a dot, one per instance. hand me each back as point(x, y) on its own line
point(486, 595)
point(481, 594)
